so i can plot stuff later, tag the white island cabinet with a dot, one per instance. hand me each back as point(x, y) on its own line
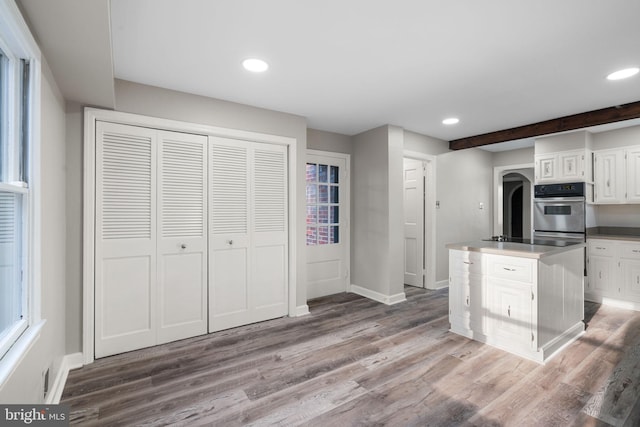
point(525, 299)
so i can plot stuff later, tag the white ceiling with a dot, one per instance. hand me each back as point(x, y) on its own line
point(349, 66)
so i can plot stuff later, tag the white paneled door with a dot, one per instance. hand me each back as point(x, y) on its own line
point(413, 182)
point(327, 235)
point(182, 236)
point(248, 239)
point(150, 239)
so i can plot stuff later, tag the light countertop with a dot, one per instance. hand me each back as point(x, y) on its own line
point(522, 250)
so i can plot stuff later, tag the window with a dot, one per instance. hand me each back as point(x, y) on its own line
point(323, 204)
point(17, 54)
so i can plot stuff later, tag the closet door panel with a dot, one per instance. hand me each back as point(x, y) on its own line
point(182, 236)
point(269, 289)
point(125, 239)
point(229, 274)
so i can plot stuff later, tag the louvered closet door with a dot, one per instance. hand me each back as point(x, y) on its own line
point(125, 251)
point(248, 232)
point(182, 236)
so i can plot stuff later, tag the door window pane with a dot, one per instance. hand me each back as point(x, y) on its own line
point(312, 214)
point(323, 173)
point(311, 236)
point(311, 172)
point(323, 214)
point(323, 235)
point(323, 194)
point(335, 215)
point(334, 234)
point(335, 172)
point(335, 197)
point(312, 193)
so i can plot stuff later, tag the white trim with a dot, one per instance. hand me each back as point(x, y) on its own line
point(377, 296)
point(18, 351)
point(429, 215)
point(91, 115)
point(69, 362)
point(498, 173)
point(440, 284)
point(302, 310)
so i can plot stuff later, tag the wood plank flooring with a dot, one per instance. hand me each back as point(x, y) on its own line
point(355, 362)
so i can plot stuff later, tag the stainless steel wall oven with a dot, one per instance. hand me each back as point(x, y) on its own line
point(559, 212)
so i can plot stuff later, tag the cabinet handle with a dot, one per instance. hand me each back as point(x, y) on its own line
point(600, 248)
point(509, 311)
point(467, 262)
point(600, 274)
point(509, 269)
point(467, 299)
point(229, 242)
point(183, 246)
point(635, 251)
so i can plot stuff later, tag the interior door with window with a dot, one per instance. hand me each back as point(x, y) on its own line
point(327, 233)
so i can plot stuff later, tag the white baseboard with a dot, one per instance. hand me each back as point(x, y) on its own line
point(301, 310)
point(69, 362)
point(377, 296)
point(440, 284)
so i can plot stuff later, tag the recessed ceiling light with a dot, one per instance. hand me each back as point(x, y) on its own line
point(450, 121)
point(623, 74)
point(255, 65)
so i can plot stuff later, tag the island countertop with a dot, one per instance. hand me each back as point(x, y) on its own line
point(522, 250)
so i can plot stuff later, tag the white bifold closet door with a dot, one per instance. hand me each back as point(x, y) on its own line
point(248, 250)
point(150, 238)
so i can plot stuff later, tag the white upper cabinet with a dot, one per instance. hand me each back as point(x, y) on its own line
point(633, 175)
point(565, 166)
point(617, 175)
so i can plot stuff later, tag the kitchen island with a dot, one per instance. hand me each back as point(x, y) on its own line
point(527, 299)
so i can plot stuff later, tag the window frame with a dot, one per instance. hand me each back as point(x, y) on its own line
point(17, 44)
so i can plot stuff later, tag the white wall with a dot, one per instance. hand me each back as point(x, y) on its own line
point(376, 241)
point(616, 138)
point(464, 179)
point(25, 384)
point(563, 142)
point(616, 216)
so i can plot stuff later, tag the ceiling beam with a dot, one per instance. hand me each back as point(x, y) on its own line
point(562, 124)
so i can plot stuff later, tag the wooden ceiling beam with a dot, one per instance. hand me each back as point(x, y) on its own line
point(562, 124)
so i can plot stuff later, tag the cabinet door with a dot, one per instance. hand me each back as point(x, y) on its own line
point(510, 313)
point(609, 176)
point(571, 166)
point(466, 302)
point(631, 279)
point(633, 175)
point(601, 274)
point(546, 167)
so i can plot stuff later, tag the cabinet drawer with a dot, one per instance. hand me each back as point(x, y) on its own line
point(465, 262)
point(629, 250)
point(601, 247)
point(511, 268)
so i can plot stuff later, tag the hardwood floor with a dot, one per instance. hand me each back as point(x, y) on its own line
point(355, 362)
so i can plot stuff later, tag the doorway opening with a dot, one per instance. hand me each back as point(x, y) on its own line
point(513, 199)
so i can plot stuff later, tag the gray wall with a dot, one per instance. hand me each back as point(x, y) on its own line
point(25, 384)
point(424, 144)
point(513, 157)
point(377, 211)
point(328, 141)
point(464, 178)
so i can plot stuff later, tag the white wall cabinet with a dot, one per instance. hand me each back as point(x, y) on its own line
point(613, 273)
point(617, 175)
point(530, 307)
point(561, 167)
